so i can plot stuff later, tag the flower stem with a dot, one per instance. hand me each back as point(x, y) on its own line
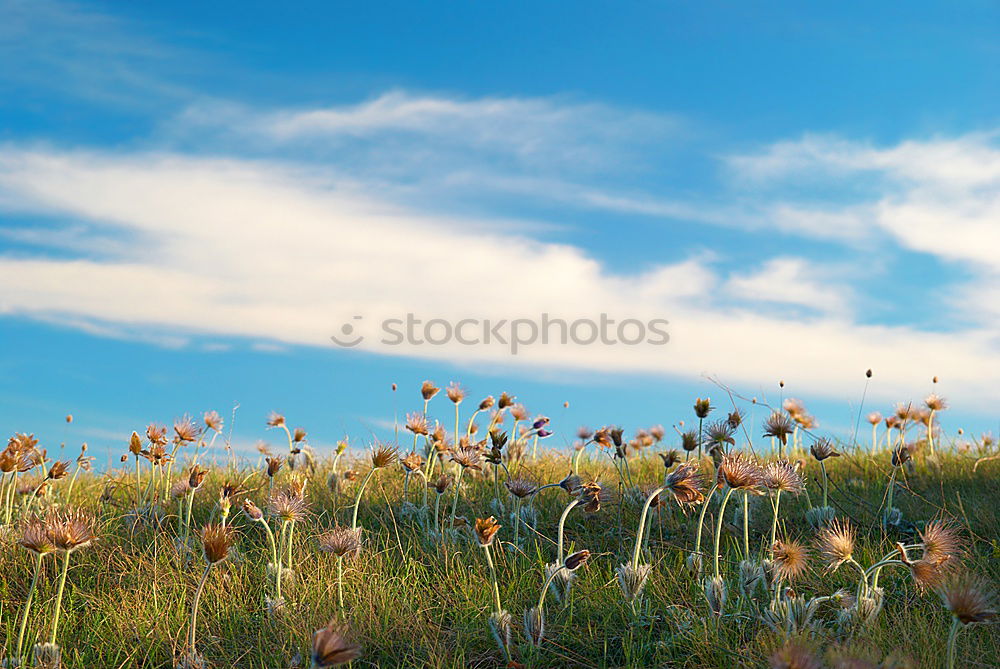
point(774, 522)
point(194, 606)
point(340, 583)
point(27, 605)
point(952, 636)
point(59, 596)
point(493, 578)
point(718, 528)
point(454, 500)
point(357, 500)
point(642, 525)
point(701, 519)
point(562, 525)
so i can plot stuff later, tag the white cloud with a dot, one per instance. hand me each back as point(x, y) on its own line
point(261, 250)
point(794, 282)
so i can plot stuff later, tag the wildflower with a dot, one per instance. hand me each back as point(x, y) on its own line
point(486, 529)
point(412, 462)
point(252, 511)
point(632, 579)
point(216, 540)
point(487, 403)
point(298, 435)
point(836, 544)
point(942, 540)
point(874, 418)
point(455, 392)
point(715, 594)
point(58, 471)
point(196, 477)
point(468, 458)
point(383, 456)
point(274, 465)
point(275, 419)
point(591, 496)
point(417, 424)
point(135, 444)
point(684, 483)
point(331, 647)
point(702, 407)
point(288, 508)
point(570, 483)
point(822, 449)
point(185, 430)
point(213, 421)
point(534, 626)
point(670, 458)
point(156, 434)
point(779, 426)
point(794, 655)
point(935, 403)
point(505, 401)
point(428, 390)
point(577, 560)
point(740, 472)
point(35, 537)
point(520, 487)
point(341, 541)
point(781, 475)
point(441, 483)
point(69, 530)
point(970, 598)
point(790, 559)
point(689, 441)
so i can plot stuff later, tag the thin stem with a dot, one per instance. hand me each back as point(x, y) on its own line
point(493, 578)
point(952, 636)
point(746, 525)
point(194, 606)
point(701, 519)
point(774, 523)
point(642, 525)
point(340, 583)
point(59, 596)
point(822, 465)
point(27, 605)
point(718, 528)
point(454, 500)
point(562, 524)
point(357, 500)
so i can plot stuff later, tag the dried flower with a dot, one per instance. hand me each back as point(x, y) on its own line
point(702, 407)
point(520, 487)
point(468, 458)
point(684, 483)
point(591, 495)
point(274, 465)
point(275, 419)
point(35, 536)
point(196, 477)
point(943, 541)
point(412, 462)
point(216, 540)
point(790, 559)
point(740, 472)
point(441, 483)
point(341, 541)
point(778, 425)
point(836, 544)
point(135, 444)
point(331, 647)
point(213, 421)
point(383, 455)
point(577, 560)
point(782, 475)
point(185, 430)
point(935, 402)
point(970, 598)
point(417, 424)
point(822, 449)
point(252, 511)
point(70, 529)
point(486, 529)
point(288, 507)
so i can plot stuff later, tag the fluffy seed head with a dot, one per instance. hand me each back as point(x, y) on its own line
point(412, 462)
point(441, 483)
point(632, 580)
point(790, 560)
point(331, 647)
point(935, 402)
point(70, 529)
point(874, 418)
point(779, 426)
point(455, 392)
point(591, 495)
point(216, 541)
point(274, 465)
point(782, 475)
point(213, 421)
point(58, 470)
point(715, 594)
point(275, 419)
point(35, 537)
point(468, 458)
point(185, 430)
point(341, 541)
point(534, 626)
point(970, 598)
point(740, 472)
point(822, 449)
point(288, 507)
point(943, 541)
point(685, 483)
point(417, 424)
point(835, 543)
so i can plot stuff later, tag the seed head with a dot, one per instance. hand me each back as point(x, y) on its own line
point(70, 529)
point(577, 560)
point(275, 419)
point(534, 626)
point(298, 435)
point(689, 441)
point(740, 472)
point(274, 465)
point(778, 425)
point(632, 580)
point(252, 511)
point(970, 598)
point(943, 541)
point(486, 403)
point(341, 541)
point(180, 488)
point(58, 470)
point(216, 540)
point(196, 477)
point(455, 392)
point(156, 434)
point(935, 402)
point(835, 543)
point(441, 483)
point(135, 444)
point(822, 449)
point(782, 475)
point(715, 594)
point(685, 483)
point(35, 536)
point(571, 483)
point(331, 647)
point(795, 655)
point(412, 462)
point(288, 507)
point(185, 430)
point(591, 495)
point(520, 487)
point(213, 421)
point(486, 529)
point(383, 455)
point(874, 418)
point(468, 458)
point(505, 401)
point(790, 559)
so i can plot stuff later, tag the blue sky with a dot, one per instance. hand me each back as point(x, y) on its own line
point(194, 198)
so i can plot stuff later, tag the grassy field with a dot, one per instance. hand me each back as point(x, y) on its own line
point(414, 597)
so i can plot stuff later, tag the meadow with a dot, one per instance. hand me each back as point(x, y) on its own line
point(743, 538)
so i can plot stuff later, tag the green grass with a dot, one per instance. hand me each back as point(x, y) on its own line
point(415, 601)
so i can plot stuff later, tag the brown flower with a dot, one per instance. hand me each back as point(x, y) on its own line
point(577, 560)
point(274, 465)
point(252, 511)
point(341, 541)
point(702, 407)
point(135, 444)
point(216, 540)
point(288, 507)
point(486, 529)
point(185, 430)
point(58, 470)
point(970, 598)
point(822, 449)
point(455, 392)
point(197, 477)
point(590, 496)
point(836, 544)
point(417, 424)
point(520, 487)
point(213, 421)
point(412, 462)
point(157, 434)
point(740, 472)
point(331, 648)
point(779, 426)
point(275, 419)
point(781, 475)
point(428, 390)
point(468, 458)
point(383, 455)
point(943, 541)
point(70, 529)
point(298, 435)
point(935, 402)
point(35, 536)
point(684, 483)
point(790, 559)
point(795, 655)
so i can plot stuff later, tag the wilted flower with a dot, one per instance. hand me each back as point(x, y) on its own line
point(836, 544)
point(782, 475)
point(702, 407)
point(341, 541)
point(822, 449)
point(383, 455)
point(441, 483)
point(486, 529)
point(288, 507)
point(715, 594)
point(216, 540)
point(274, 465)
point(520, 487)
point(213, 420)
point(412, 462)
point(185, 430)
point(779, 426)
point(70, 529)
point(790, 559)
point(591, 496)
point(428, 390)
point(740, 472)
point(970, 598)
point(684, 483)
point(331, 647)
